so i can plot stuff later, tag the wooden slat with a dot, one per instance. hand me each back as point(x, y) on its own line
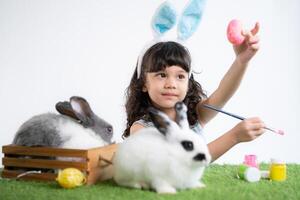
point(42, 163)
point(43, 151)
point(41, 176)
point(95, 170)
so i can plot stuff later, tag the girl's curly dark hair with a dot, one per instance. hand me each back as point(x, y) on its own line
point(156, 58)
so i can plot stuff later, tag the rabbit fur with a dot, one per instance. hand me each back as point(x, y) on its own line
point(75, 127)
point(165, 158)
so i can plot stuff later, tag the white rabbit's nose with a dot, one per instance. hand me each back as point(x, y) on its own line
point(200, 157)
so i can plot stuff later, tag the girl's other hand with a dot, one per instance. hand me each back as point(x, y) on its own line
point(249, 47)
point(248, 129)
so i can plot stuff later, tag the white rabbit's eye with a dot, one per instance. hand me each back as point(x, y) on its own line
point(187, 145)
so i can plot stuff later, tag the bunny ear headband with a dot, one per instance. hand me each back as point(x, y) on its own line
point(164, 19)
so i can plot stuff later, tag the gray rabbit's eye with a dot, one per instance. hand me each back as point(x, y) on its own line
point(109, 129)
point(187, 145)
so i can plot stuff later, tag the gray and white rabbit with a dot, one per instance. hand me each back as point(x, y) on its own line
point(166, 158)
point(75, 127)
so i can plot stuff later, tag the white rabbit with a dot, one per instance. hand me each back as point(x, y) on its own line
point(166, 158)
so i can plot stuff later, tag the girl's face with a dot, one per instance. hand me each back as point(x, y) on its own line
point(166, 87)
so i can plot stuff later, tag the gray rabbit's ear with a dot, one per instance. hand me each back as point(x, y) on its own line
point(181, 115)
point(65, 108)
point(164, 19)
point(160, 120)
point(82, 110)
point(190, 19)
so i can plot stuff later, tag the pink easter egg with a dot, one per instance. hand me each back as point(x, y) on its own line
point(234, 32)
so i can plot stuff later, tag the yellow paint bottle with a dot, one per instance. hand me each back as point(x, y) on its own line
point(277, 170)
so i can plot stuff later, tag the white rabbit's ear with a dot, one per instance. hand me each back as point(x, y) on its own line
point(163, 19)
point(181, 115)
point(160, 120)
point(190, 19)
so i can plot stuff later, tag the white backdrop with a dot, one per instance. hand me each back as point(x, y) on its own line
point(51, 50)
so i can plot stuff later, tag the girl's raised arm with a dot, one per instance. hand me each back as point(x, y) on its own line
point(232, 79)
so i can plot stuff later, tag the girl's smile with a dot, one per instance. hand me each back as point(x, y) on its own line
point(169, 94)
point(170, 97)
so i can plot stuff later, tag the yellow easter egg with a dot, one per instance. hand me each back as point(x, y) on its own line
point(70, 178)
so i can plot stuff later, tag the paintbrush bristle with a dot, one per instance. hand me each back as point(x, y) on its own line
point(280, 132)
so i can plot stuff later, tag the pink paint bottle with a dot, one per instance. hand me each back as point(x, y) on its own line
point(250, 160)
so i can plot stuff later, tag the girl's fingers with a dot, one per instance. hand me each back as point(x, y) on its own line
point(257, 126)
point(254, 39)
point(255, 123)
point(249, 38)
point(254, 119)
point(255, 30)
point(246, 33)
point(255, 46)
point(260, 132)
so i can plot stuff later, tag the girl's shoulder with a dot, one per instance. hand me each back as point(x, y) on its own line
point(144, 123)
point(136, 126)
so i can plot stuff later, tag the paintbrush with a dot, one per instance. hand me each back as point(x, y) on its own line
point(280, 132)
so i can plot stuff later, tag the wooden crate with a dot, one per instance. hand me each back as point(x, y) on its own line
point(94, 163)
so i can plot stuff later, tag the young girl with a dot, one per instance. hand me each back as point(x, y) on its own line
point(165, 78)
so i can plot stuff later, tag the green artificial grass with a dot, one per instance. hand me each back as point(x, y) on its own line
point(221, 183)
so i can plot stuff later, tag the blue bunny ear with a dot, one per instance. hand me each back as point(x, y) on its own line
point(190, 19)
point(164, 18)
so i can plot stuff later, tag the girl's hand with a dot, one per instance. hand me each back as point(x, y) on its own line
point(248, 129)
point(245, 51)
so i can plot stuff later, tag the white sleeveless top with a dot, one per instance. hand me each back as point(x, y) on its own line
point(197, 128)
